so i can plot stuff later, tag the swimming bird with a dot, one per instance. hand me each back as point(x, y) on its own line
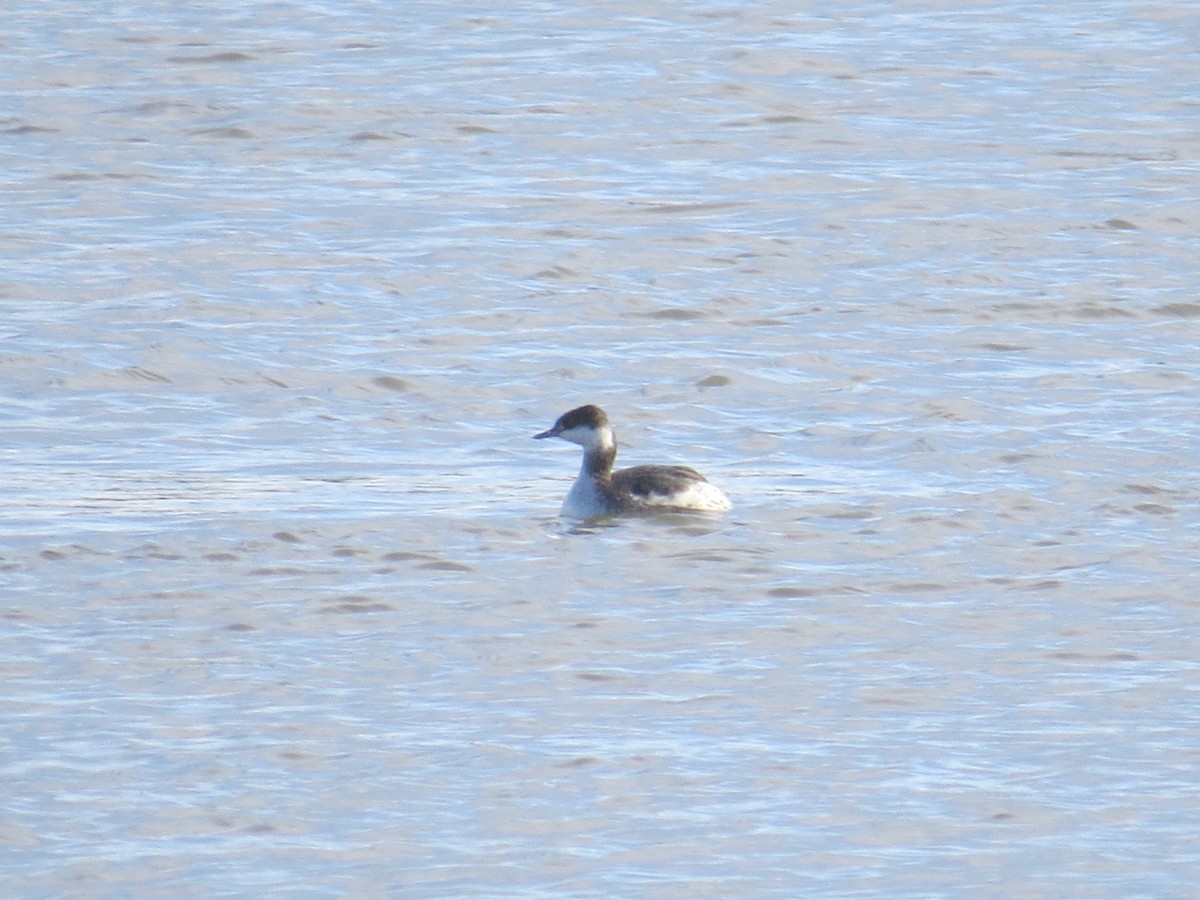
point(599, 491)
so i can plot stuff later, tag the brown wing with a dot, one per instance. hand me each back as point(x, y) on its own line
point(654, 481)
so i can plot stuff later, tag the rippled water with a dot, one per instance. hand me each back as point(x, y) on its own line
point(285, 292)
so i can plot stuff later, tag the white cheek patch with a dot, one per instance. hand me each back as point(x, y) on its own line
point(582, 435)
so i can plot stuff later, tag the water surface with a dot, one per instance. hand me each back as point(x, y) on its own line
point(286, 604)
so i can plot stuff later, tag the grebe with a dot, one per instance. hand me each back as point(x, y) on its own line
point(599, 491)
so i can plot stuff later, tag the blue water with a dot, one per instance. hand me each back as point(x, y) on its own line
point(284, 602)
